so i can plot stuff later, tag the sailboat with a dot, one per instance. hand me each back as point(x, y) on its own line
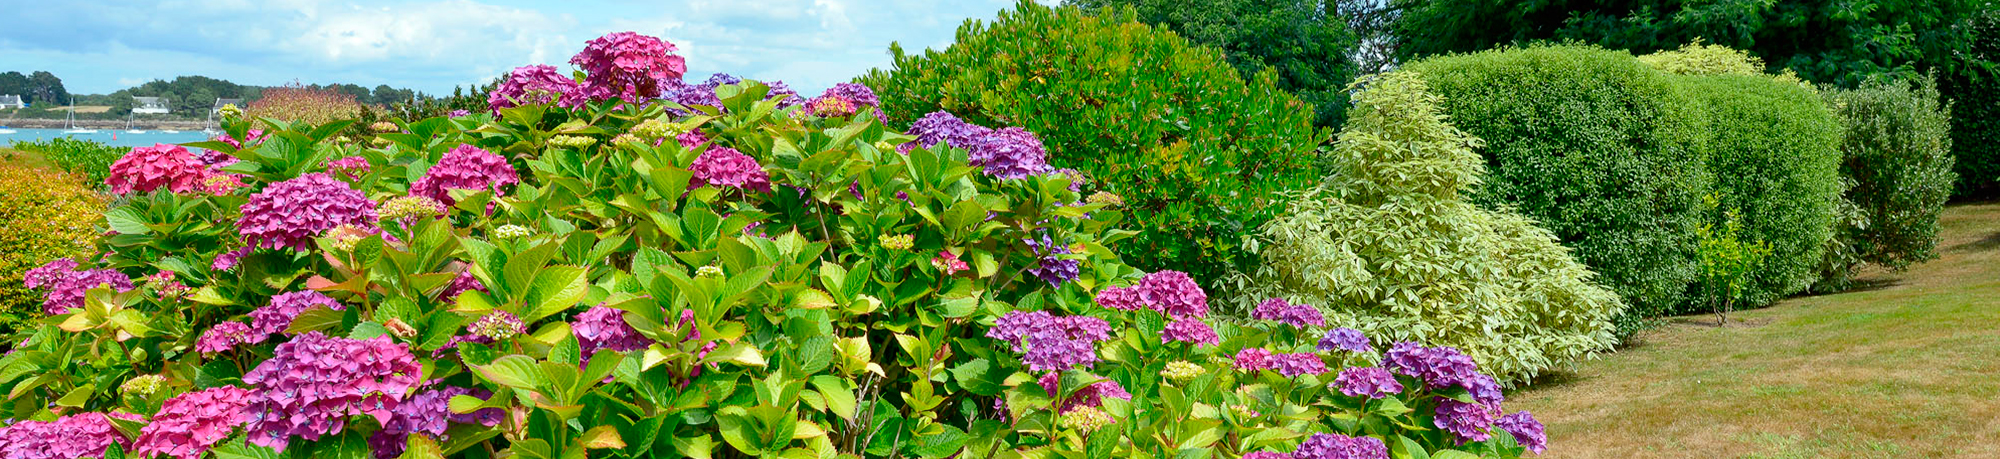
point(72, 121)
point(128, 125)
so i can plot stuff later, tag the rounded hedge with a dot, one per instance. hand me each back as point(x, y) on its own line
point(1198, 153)
point(1897, 152)
point(1774, 150)
point(1600, 149)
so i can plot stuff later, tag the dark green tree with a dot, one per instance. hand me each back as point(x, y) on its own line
point(1306, 41)
point(47, 89)
point(13, 83)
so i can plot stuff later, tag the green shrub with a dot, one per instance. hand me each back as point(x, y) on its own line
point(1974, 92)
point(88, 158)
point(1896, 154)
point(44, 215)
point(1603, 151)
point(1389, 245)
point(1198, 153)
point(1728, 262)
point(1774, 151)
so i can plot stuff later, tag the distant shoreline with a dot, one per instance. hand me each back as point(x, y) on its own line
point(38, 123)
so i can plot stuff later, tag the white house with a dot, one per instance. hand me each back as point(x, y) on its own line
point(12, 101)
point(219, 102)
point(149, 105)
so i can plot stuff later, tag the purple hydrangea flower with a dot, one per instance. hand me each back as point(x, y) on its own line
point(1438, 367)
point(145, 169)
point(1173, 293)
point(1051, 343)
point(1483, 389)
point(1089, 396)
point(67, 287)
point(1526, 430)
point(1468, 421)
point(313, 383)
point(1010, 153)
point(1120, 298)
point(1337, 446)
point(1296, 315)
point(464, 282)
point(858, 93)
point(465, 168)
point(427, 413)
point(1190, 330)
point(628, 66)
point(1252, 359)
point(780, 89)
point(289, 214)
point(1298, 364)
point(603, 328)
point(1371, 382)
point(277, 316)
point(223, 337)
point(726, 167)
point(67, 437)
point(1345, 339)
point(532, 85)
point(691, 139)
point(720, 79)
point(691, 95)
point(941, 127)
point(1053, 268)
point(188, 424)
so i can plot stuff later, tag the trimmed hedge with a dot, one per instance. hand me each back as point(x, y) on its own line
point(1897, 154)
point(44, 215)
point(1774, 150)
point(1199, 154)
point(1602, 150)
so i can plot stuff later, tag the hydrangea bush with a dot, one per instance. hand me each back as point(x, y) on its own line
point(647, 278)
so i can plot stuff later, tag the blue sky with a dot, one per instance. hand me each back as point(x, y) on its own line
point(100, 46)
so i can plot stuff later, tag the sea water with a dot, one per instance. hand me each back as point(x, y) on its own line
point(114, 137)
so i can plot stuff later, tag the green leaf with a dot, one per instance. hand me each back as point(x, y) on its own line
point(740, 353)
point(516, 371)
point(839, 395)
point(554, 290)
point(980, 377)
point(126, 220)
point(237, 449)
point(316, 318)
point(944, 441)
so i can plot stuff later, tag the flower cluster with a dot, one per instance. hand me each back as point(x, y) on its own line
point(1010, 153)
point(628, 66)
point(535, 84)
point(949, 263)
point(1297, 364)
point(1049, 342)
point(897, 241)
point(145, 169)
point(409, 208)
point(277, 316)
point(464, 282)
point(223, 337)
point(289, 214)
point(1190, 330)
point(1438, 367)
point(844, 99)
point(427, 413)
point(727, 167)
point(1106, 198)
point(188, 424)
point(1337, 446)
point(250, 137)
point(1371, 382)
point(1052, 267)
point(572, 141)
point(1182, 371)
point(602, 328)
point(66, 286)
point(350, 167)
point(465, 168)
point(942, 127)
point(1345, 339)
point(1295, 315)
point(1526, 431)
point(67, 437)
point(312, 383)
point(1174, 294)
point(497, 325)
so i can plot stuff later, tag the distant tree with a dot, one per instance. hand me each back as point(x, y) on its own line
point(13, 83)
point(1306, 41)
point(47, 89)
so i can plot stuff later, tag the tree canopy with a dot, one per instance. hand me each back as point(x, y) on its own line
point(1305, 41)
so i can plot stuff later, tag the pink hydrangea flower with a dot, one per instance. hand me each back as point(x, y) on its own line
point(189, 424)
point(250, 137)
point(289, 214)
point(602, 328)
point(535, 84)
point(1252, 359)
point(1190, 330)
point(465, 168)
point(628, 66)
point(313, 383)
point(68, 437)
point(1120, 298)
point(222, 337)
point(277, 316)
point(350, 167)
point(66, 286)
point(1173, 293)
point(726, 167)
point(145, 169)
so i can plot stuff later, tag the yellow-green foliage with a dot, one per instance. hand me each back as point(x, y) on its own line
point(1700, 59)
point(1389, 244)
point(44, 215)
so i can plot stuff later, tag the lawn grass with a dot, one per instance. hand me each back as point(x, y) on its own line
point(1907, 365)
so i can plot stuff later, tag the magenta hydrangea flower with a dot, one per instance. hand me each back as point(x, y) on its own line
point(145, 169)
point(1337, 446)
point(1345, 339)
point(1252, 359)
point(227, 260)
point(1120, 298)
point(726, 167)
point(603, 328)
point(219, 159)
point(1468, 421)
point(66, 287)
point(460, 113)
point(67, 437)
point(1089, 396)
point(224, 336)
point(350, 167)
point(277, 315)
point(1297, 364)
point(856, 92)
point(1190, 330)
point(1173, 293)
point(189, 424)
point(1371, 382)
point(427, 413)
point(1051, 343)
point(1010, 153)
point(465, 167)
point(533, 85)
point(1526, 431)
point(1295, 315)
point(942, 127)
point(290, 214)
point(628, 66)
point(1053, 268)
point(313, 383)
point(1437, 367)
point(691, 139)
